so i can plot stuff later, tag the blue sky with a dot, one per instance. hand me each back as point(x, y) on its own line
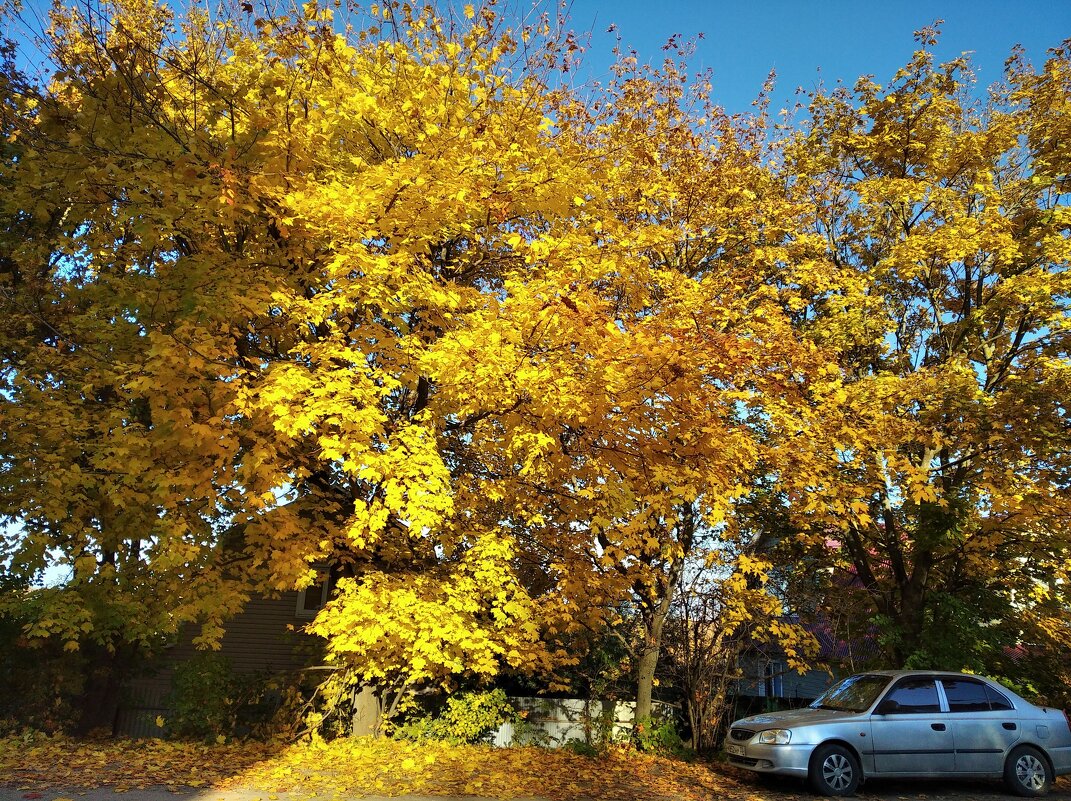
point(803, 40)
point(744, 40)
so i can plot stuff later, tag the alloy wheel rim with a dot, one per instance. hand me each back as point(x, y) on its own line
point(837, 771)
point(1030, 772)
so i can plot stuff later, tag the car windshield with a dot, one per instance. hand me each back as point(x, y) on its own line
point(854, 694)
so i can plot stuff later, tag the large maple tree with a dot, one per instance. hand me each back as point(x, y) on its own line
point(946, 486)
point(394, 301)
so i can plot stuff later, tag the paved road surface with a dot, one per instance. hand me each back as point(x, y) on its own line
point(11, 793)
point(768, 790)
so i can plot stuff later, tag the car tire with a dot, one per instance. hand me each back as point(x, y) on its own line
point(834, 770)
point(1027, 772)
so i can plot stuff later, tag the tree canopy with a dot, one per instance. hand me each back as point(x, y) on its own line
point(392, 297)
point(943, 211)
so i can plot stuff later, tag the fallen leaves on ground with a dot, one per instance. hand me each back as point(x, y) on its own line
point(359, 767)
point(40, 761)
point(384, 767)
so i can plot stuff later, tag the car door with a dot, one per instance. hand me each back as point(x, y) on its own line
point(909, 732)
point(984, 725)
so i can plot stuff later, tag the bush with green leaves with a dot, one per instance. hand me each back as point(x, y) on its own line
point(210, 700)
point(581, 748)
point(659, 735)
point(40, 683)
point(466, 718)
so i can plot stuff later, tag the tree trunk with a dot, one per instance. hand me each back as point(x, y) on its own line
point(645, 671)
point(902, 597)
point(653, 622)
point(913, 608)
point(367, 712)
point(99, 701)
point(655, 609)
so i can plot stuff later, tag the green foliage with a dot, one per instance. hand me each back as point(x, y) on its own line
point(201, 697)
point(466, 718)
point(605, 668)
point(957, 633)
point(659, 735)
point(39, 682)
point(584, 749)
point(600, 728)
point(528, 732)
point(209, 700)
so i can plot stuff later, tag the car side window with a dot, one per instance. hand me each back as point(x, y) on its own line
point(965, 695)
point(914, 695)
point(998, 700)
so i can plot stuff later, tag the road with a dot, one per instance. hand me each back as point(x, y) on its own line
point(775, 789)
point(767, 789)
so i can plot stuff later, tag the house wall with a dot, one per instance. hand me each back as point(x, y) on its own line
point(257, 640)
point(809, 685)
point(764, 678)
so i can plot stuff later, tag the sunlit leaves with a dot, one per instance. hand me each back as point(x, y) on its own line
point(501, 355)
point(357, 767)
point(946, 223)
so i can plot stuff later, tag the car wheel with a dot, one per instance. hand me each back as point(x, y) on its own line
point(1027, 772)
point(834, 770)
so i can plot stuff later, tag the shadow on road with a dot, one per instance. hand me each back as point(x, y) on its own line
point(778, 788)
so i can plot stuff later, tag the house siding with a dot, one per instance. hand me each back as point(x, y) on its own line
point(790, 684)
point(809, 685)
point(257, 640)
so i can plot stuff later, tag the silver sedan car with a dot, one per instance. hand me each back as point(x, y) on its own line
point(908, 724)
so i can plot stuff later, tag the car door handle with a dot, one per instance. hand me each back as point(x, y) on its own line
point(937, 726)
point(1008, 726)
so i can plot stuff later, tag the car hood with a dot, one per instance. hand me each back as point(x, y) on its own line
point(792, 717)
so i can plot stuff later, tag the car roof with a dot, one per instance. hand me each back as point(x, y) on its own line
point(1019, 701)
point(899, 673)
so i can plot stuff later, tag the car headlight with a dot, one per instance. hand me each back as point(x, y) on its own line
point(775, 736)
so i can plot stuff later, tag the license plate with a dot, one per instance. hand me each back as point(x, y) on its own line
point(735, 749)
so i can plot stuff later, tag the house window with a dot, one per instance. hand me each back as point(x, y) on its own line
point(313, 597)
point(775, 679)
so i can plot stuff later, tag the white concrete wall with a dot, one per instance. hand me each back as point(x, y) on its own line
point(553, 722)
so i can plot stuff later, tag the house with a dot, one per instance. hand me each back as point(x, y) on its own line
point(766, 674)
point(265, 638)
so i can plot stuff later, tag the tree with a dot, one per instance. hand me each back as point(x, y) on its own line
point(725, 606)
point(278, 296)
point(945, 486)
point(228, 251)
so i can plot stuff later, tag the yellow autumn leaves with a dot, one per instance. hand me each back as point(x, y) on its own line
point(354, 768)
point(501, 354)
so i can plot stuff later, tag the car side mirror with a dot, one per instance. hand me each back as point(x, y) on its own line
point(888, 707)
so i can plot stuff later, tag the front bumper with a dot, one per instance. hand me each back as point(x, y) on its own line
point(784, 760)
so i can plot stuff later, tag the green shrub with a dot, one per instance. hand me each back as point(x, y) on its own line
point(659, 736)
point(466, 718)
point(529, 732)
point(210, 701)
point(581, 748)
point(40, 683)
